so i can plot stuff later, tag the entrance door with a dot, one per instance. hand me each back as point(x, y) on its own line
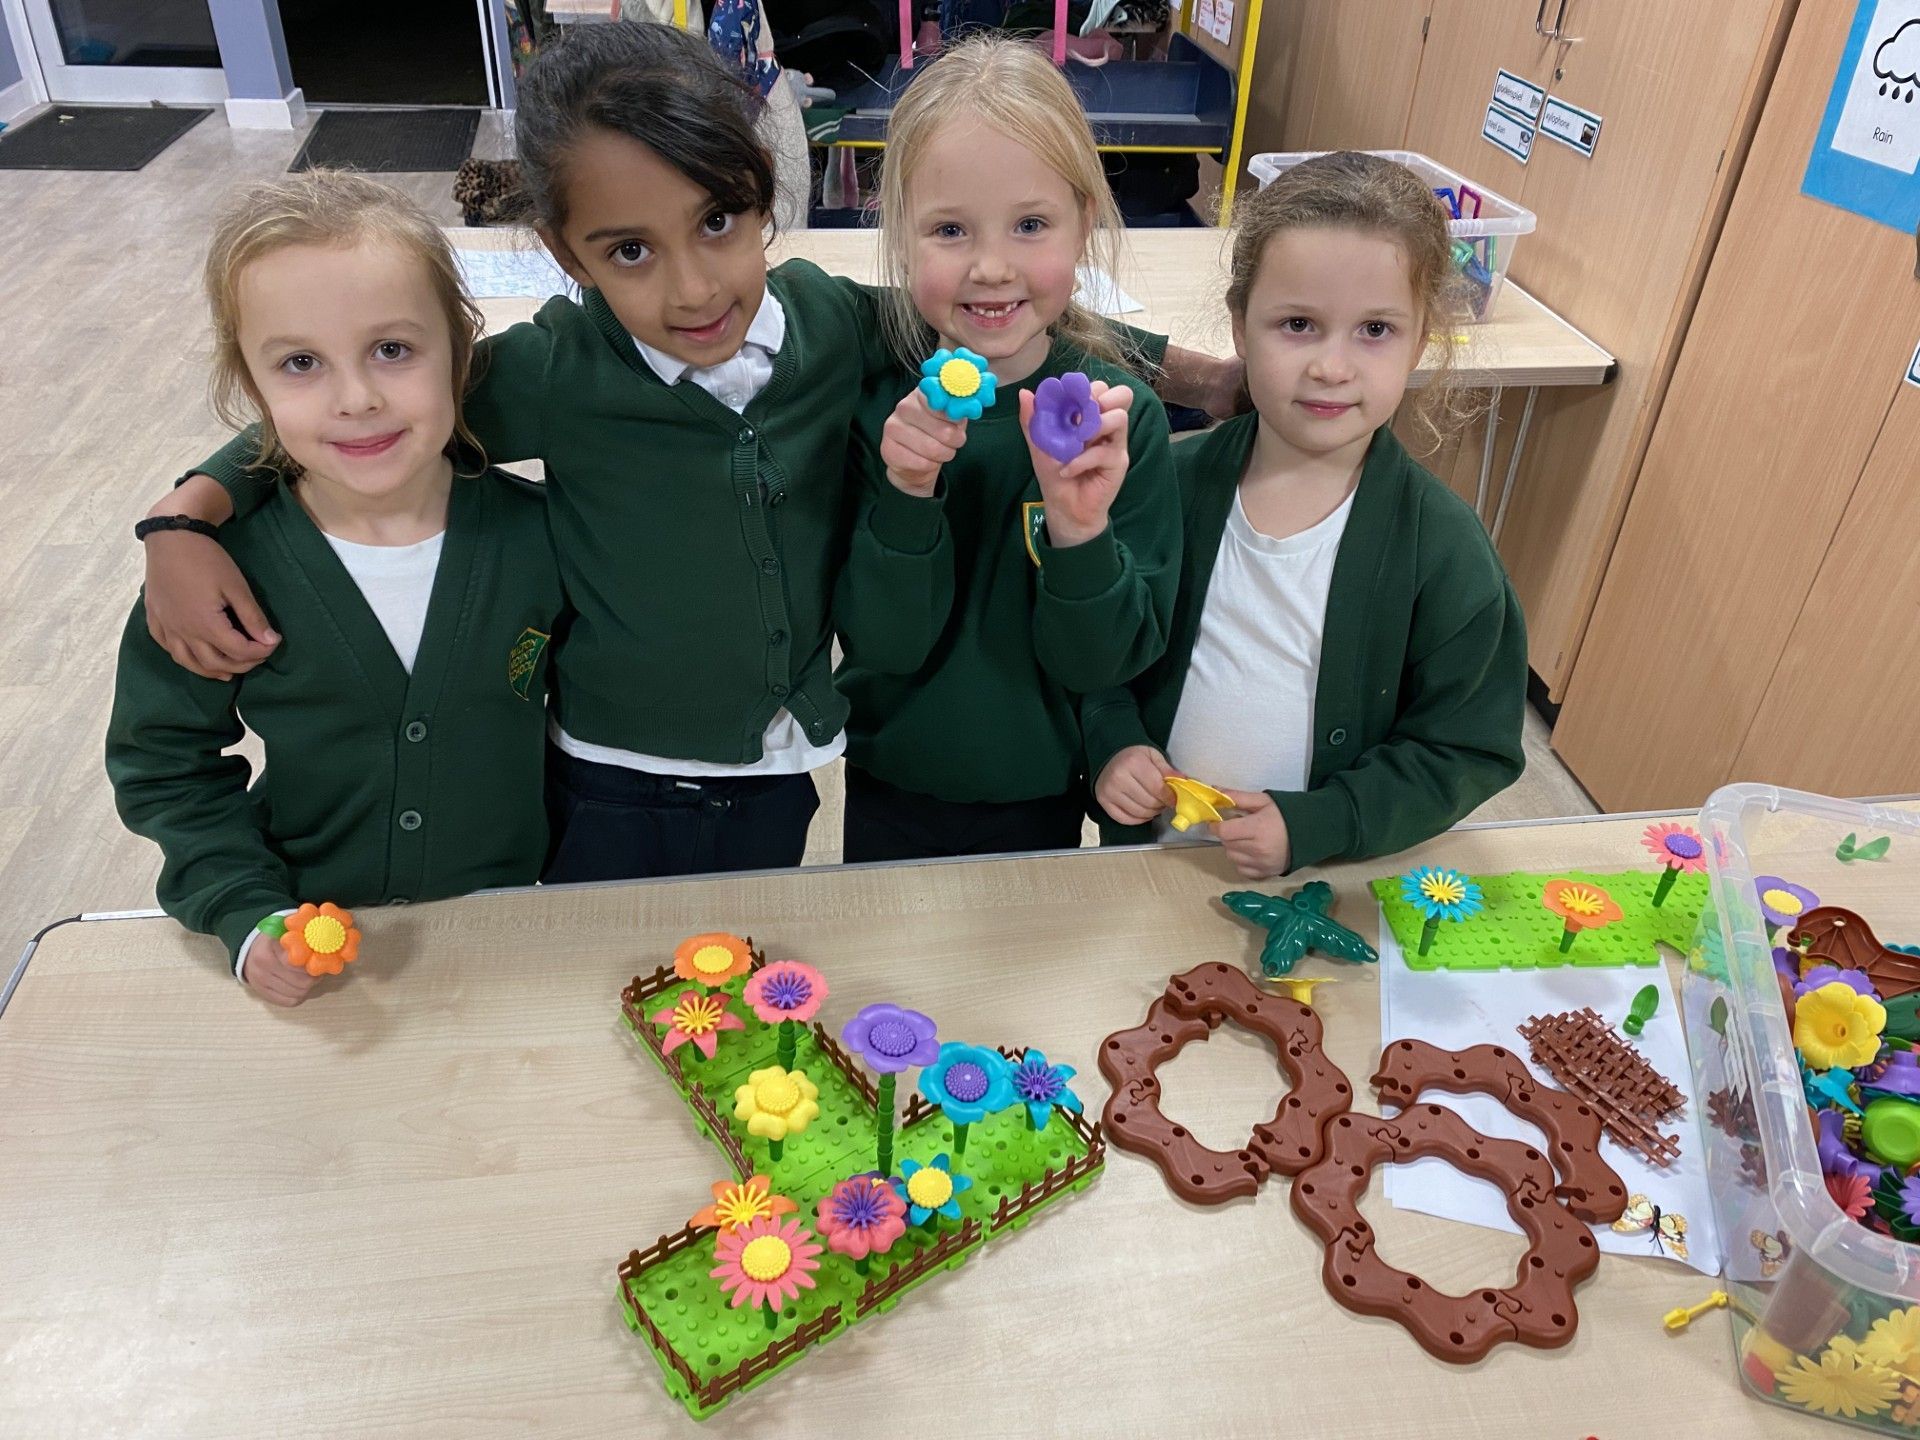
point(376, 52)
point(127, 50)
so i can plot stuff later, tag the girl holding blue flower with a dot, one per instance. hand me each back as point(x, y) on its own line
point(988, 581)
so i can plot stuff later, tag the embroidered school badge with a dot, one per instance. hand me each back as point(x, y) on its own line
point(1033, 515)
point(524, 659)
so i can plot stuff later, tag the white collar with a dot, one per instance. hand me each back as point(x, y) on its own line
point(768, 330)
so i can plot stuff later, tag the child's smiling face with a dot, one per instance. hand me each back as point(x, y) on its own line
point(995, 236)
point(1330, 333)
point(682, 275)
point(349, 350)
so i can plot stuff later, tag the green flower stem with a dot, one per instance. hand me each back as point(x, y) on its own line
point(1567, 937)
point(774, 1147)
point(789, 1045)
point(959, 1142)
point(773, 1317)
point(1666, 883)
point(863, 1264)
point(883, 1126)
point(1428, 931)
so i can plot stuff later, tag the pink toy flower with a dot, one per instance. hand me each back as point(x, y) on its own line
point(1851, 1193)
point(766, 1262)
point(862, 1216)
point(1675, 845)
point(696, 1018)
point(786, 990)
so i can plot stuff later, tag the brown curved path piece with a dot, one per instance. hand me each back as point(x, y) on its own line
point(1537, 1309)
point(1194, 1004)
point(1591, 1188)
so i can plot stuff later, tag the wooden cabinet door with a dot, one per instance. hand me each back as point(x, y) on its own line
point(1803, 330)
point(1841, 714)
point(1623, 238)
point(1335, 74)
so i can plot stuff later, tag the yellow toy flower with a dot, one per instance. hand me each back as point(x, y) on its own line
point(777, 1103)
point(1894, 1343)
point(1836, 1025)
point(1839, 1385)
point(1195, 802)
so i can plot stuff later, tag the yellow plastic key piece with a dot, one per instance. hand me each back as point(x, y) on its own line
point(1195, 803)
point(1678, 1320)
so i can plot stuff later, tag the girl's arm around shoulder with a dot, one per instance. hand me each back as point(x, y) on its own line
point(895, 590)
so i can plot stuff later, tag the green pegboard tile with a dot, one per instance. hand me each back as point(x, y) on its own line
point(1003, 1155)
point(1516, 932)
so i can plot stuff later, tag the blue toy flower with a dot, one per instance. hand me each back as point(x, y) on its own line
point(931, 1189)
point(1041, 1086)
point(1441, 894)
point(957, 383)
point(969, 1082)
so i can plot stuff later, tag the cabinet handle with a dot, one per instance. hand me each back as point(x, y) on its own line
point(1540, 21)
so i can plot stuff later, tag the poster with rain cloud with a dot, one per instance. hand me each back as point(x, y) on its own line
point(1868, 149)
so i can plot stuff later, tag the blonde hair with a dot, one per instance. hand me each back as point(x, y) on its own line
point(325, 208)
point(1012, 87)
point(1351, 190)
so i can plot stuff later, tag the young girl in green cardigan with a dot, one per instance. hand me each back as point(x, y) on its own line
point(1039, 579)
point(403, 710)
point(1348, 660)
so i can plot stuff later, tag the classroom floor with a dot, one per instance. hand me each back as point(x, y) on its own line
point(102, 402)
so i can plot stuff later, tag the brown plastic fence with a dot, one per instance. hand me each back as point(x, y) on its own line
point(885, 1287)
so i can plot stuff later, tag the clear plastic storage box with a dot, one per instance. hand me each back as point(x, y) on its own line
point(1484, 235)
point(1808, 1284)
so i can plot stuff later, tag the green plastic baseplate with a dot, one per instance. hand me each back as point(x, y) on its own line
point(1516, 932)
point(709, 1351)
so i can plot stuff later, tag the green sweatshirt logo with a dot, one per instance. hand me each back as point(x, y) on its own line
point(524, 658)
point(1033, 517)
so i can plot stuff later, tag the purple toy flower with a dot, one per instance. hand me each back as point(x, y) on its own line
point(891, 1040)
point(1835, 1156)
point(1829, 974)
point(1898, 1074)
point(1065, 416)
point(1783, 902)
point(1910, 1199)
point(1787, 963)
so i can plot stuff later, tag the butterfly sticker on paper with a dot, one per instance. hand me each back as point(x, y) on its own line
point(1667, 1230)
point(1773, 1251)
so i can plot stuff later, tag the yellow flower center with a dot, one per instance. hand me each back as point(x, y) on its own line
point(1781, 902)
point(776, 1095)
point(1582, 901)
point(741, 1204)
point(713, 959)
point(766, 1258)
point(325, 935)
point(1443, 889)
point(930, 1188)
point(960, 377)
point(696, 1016)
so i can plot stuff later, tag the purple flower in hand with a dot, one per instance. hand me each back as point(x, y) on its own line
point(890, 1039)
point(1065, 416)
point(1830, 974)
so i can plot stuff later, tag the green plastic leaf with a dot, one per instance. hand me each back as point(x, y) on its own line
point(1874, 849)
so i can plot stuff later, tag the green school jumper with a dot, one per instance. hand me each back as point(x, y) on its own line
point(379, 786)
point(967, 635)
point(699, 547)
point(1423, 666)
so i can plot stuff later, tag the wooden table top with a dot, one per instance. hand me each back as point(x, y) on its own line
point(1179, 276)
point(399, 1208)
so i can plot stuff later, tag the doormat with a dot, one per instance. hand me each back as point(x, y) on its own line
point(95, 137)
point(389, 141)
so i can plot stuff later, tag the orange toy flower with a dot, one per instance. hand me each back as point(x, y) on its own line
point(711, 960)
point(321, 939)
point(739, 1202)
point(1581, 906)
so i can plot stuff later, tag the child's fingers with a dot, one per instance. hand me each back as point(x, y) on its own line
point(1113, 398)
point(1248, 800)
point(929, 449)
point(257, 638)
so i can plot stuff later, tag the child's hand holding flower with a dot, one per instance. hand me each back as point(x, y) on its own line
point(1079, 494)
point(915, 442)
point(1257, 837)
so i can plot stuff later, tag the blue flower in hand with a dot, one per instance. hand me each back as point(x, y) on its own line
point(957, 383)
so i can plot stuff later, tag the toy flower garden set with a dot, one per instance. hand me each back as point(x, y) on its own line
point(833, 1201)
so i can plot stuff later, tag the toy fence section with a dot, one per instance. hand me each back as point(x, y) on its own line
point(705, 1396)
point(1580, 1050)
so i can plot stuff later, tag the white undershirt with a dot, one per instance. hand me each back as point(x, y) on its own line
point(1245, 720)
point(397, 583)
point(785, 748)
